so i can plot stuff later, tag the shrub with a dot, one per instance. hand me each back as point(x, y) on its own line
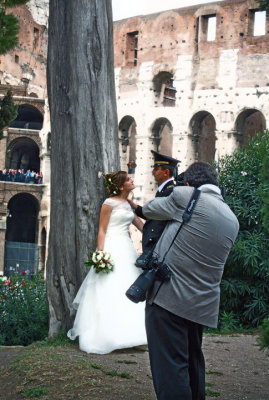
point(23, 310)
point(244, 288)
point(264, 334)
point(265, 178)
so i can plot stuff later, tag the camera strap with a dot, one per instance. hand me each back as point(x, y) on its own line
point(186, 216)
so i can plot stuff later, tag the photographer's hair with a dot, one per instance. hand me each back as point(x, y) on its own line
point(170, 168)
point(200, 173)
point(113, 181)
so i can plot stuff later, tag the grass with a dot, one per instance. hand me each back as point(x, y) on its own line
point(210, 372)
point(121, 375)
point(126, 362)
point(210, 393)
point(37, 391)
point(49, 371)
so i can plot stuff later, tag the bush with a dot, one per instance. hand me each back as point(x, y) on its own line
point(265, 179)
point(264, 334)
point(23, 310)
point(244, 288)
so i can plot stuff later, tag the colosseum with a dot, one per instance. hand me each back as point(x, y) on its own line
point(192, 83)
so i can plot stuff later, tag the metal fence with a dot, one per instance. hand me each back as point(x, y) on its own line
point(20, 256)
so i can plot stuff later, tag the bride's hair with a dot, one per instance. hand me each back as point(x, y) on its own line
point(113, 181)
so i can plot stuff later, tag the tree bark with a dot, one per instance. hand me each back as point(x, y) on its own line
point(84, 141)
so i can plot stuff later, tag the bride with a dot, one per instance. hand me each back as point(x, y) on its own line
point(106, 320)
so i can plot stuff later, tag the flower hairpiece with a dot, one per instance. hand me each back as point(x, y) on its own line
point(110, 185)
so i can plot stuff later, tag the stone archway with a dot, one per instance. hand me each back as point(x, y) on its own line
point(29, 117)
point(21, 248)
point(162, 136)
point(248, 123)
point(23, 153)
point(203, 128)
point(127, 139)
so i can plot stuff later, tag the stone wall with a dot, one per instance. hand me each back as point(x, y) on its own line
point(217, 82)
point(177, 91)
point(23, 71)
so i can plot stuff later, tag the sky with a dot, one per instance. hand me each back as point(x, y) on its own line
point(129, 8)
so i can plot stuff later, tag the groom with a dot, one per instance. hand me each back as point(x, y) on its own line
point(164, 169)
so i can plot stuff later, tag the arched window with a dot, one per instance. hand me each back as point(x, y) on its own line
point(28, 117)
point(162, 136)
point(21, 248)
point(127, 139)
point(22, 218)
point(203, 127)
point(248, 123)
point(23, 153)
point(165, 92)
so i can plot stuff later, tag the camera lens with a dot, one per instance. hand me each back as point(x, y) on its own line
point(137, 291)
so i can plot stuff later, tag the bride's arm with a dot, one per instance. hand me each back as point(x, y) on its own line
point(138, 223)
point(103, 223)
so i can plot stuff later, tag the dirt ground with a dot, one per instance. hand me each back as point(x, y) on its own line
point(235, 370)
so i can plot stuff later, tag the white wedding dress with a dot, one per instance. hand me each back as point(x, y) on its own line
point(106, 319)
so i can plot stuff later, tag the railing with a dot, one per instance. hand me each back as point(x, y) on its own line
point(21, 178)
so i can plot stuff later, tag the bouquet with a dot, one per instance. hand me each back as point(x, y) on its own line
point(101, 261)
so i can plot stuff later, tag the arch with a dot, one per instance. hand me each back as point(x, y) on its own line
point(127, 136)
point(22, 221)
point(203, 127)
point(23, 153)
point(162, 136)
point(29, 117)
point(248, 123)
point(164, 88)
point(21, 248)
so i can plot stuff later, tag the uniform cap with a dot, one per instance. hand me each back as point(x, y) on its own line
point(161, 159)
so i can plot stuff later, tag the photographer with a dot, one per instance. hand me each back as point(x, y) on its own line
point(177, 310)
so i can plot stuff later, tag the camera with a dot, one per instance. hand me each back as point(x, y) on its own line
point(153, 269)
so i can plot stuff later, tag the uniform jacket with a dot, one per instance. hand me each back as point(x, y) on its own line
point(197, 256)
point(152, 230)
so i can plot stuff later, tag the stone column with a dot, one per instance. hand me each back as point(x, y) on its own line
point(2, 243)
point(3, 149)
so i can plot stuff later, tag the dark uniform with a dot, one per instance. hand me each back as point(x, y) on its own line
point(152, 230)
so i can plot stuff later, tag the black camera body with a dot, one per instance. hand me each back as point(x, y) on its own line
point(153, 269)
point(147, 261)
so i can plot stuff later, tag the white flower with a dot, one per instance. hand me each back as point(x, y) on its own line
point(98, 257)
point(244, 173)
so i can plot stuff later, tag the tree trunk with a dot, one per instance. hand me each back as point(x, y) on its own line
point(84, 141)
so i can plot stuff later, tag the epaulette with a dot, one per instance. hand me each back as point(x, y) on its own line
point(169, 187)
